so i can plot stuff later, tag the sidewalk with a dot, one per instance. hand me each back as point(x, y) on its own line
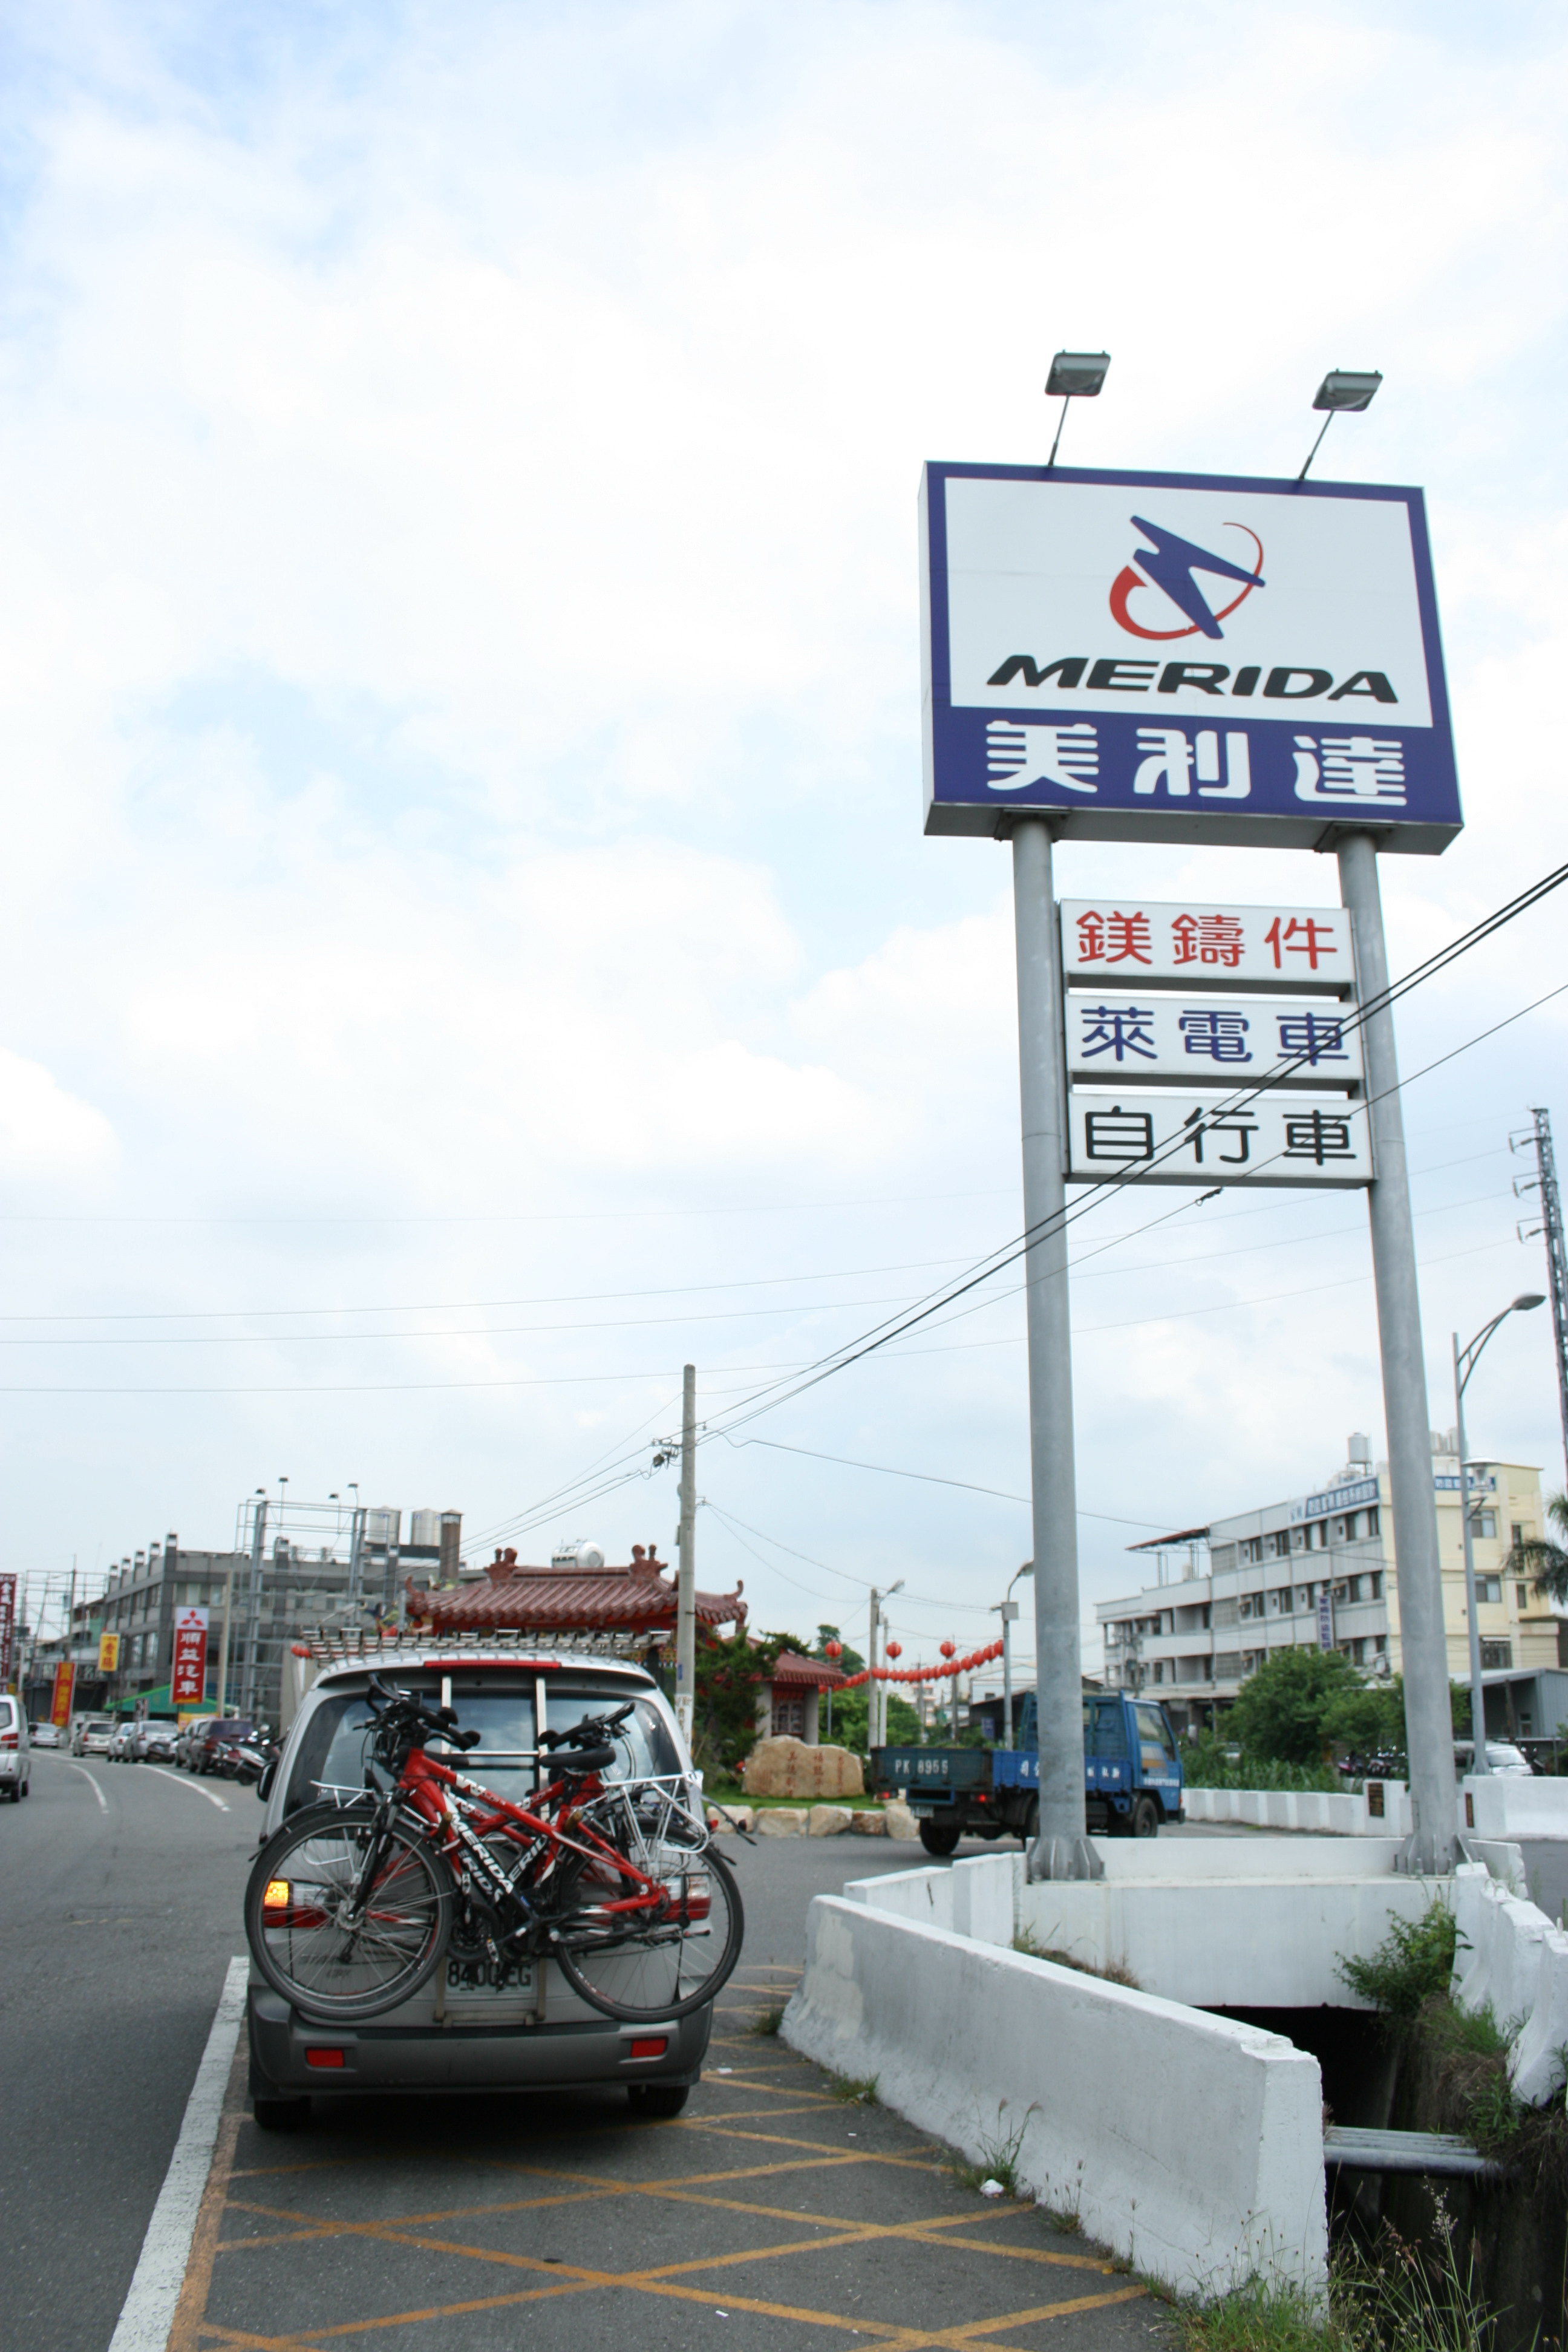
point(772, 2213)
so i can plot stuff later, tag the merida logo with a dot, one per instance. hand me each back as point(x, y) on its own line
point(1170, 564)
point(1286, 682)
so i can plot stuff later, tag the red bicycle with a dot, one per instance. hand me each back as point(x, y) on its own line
point(351, 1907)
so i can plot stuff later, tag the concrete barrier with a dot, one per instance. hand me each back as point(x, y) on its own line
point(1329, 1813)
point(1501, 1805)
point(1191, 2146)
point(1512, 1960)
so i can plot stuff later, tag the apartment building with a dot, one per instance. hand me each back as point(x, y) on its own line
point(1316, 1571)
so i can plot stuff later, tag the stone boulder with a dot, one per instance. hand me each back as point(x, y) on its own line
point(788, 1768)
point(780, 1820)
point(901, 1824)
point(867, 1822)
point(828, 1821)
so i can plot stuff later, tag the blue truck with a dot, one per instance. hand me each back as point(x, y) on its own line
point(1131, 1768)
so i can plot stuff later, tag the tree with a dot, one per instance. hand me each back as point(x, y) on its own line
point(850, 1663)
point(1281, 1710)
point(730, 1675)
point(1543, 1561)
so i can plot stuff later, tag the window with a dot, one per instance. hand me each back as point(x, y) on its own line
point(1303, 1596)
point(1496, 1655)
point(1485, 1522)
point(1156, 1748)
point(1488, 1588)
point(1374, 1588)
point(789, 1718)
point(1373, 1524)
point(1337, 1531)
point(1521, 1593)
point(1517, 1533)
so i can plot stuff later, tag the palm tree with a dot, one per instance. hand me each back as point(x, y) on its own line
point(1541, 1559)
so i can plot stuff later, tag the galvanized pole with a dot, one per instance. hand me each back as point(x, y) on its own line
point(1061, 1849)
point(1422, 1641)
point(872, 1645)
point(223, 1645)
point(686, 1576)
point(1478, 1688)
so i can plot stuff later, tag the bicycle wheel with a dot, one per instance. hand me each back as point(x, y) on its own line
point(298, 1899)
point(651, 1975)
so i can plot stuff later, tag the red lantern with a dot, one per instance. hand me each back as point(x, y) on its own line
point(948, 1649)
point(895, 1649)
point(833, 1651)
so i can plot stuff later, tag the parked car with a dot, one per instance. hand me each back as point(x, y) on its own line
point(531, 2031)
point(91, 1734)
point(1502, 1758)
point(222, 1731)
point(155, 1740)
point(191, 1733)
point(45, 1734)
point(121, 1746)
point(15, 1750)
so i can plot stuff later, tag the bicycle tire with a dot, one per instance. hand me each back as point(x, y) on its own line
point(616, 1972)
point(301, 1951)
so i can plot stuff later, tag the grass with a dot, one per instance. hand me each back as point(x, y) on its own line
point(1392, 2298)
point(999, 2162)
point(767, 2022)
point(1114, 1971)
point(855, 2089)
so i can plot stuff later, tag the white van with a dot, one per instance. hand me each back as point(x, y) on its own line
point(15, 1750)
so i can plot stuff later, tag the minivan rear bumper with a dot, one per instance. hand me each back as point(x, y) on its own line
point(404, 2058)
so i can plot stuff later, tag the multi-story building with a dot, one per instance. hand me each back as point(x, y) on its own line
point(1317, 1572)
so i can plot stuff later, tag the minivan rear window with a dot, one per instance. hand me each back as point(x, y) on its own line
point(334, 1746)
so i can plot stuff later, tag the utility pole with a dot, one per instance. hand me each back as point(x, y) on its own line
point(1423, 1638)
point(873, 1659)
point(253, 1605)
point(1550, 1229)
point(1061, 1849)
point(686, 1575)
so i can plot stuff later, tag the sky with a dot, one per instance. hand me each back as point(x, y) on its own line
point(467, 942)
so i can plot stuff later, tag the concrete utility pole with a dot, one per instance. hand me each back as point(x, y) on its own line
point(686, 1576)
point(1061, 1849)
point(1550, 1231)
point(1428, 1714)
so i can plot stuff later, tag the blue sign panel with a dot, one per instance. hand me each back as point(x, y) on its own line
point(1183, 656)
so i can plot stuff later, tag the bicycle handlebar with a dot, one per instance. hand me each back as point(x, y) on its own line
point(592, 1732)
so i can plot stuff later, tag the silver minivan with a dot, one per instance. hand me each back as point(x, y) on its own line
point(15, 1750)
point(532, 2032)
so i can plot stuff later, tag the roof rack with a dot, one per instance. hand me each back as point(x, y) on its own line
point(495, 1642)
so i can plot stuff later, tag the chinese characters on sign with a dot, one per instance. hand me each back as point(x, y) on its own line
point(7, 1629)
point(1170, 1138)
point(60, 1698)
point(1124, 1035)
point(108, 1653)
point(1302, 949)
point(188, 1683)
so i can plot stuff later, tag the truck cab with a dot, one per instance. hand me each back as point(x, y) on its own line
point(1132, 1765)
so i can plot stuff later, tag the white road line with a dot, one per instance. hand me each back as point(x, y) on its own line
point(148, 2310)
point(91, 1783)
point(194, 1787)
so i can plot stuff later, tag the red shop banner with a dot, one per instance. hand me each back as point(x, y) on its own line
point(188, 1683)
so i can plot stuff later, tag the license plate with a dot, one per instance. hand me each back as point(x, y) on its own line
point(479, 1981)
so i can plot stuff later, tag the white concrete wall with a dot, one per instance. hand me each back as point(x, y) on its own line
point(1330, 1814)
point(1191, 2146)
point(1248, 1857)
point(1240, 1943)
point(1497, 1805)
point(1512, 1960)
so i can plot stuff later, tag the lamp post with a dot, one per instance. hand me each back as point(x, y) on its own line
point(1465, 1363)
point(1007, 1609)
point(875, 1714)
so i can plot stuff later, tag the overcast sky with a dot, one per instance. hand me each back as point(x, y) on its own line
point(467, 938)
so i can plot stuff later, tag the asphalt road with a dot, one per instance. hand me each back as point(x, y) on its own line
point(117, 1922)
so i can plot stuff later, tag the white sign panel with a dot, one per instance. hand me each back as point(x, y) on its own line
point(1172, 1137)
point(1121, 1037)
point(1183, 656)
point(1195, 944)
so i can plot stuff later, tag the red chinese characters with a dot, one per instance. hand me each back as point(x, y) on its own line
point(1300, 936)
point(1114, 939)
point(1207, 938)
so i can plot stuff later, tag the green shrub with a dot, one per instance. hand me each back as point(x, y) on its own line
point(1413, 1962)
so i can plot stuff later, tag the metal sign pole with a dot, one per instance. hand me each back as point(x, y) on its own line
point(1428, 1715)
point(1061, 1849)
point(686, 1566)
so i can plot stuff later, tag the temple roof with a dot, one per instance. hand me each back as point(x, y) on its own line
point(804, 1673)
point(638, 1598)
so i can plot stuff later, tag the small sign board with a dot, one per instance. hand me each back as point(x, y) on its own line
point(60, 1698)
point(108, 1653)
point(1176, 1137)
point(7, 1628)
point(1182, 657)
point(188, 1680)
point(1192, 944)
point(1119, 1036)
point(1325, 1619)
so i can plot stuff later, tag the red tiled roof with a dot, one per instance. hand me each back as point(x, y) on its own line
point(789, 1668)
point(636, 1598)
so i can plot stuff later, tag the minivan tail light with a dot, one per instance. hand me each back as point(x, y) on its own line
point(7, 1739)
point(650, 2045)
point(324, 2058)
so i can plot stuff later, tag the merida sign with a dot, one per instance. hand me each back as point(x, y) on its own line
point(1181, 657)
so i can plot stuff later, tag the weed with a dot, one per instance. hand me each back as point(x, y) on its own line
point(1114, 1971)
point(767, 2022)
point(1391, 2299)
point(1415, 1960)
point(998, 2160)
point(855, 2089)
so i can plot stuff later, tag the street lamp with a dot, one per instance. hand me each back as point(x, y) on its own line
point(1342, 390)
point(1465, 1363)
point(1007, 1609)
point(1075, 375)
point(876, 1711)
